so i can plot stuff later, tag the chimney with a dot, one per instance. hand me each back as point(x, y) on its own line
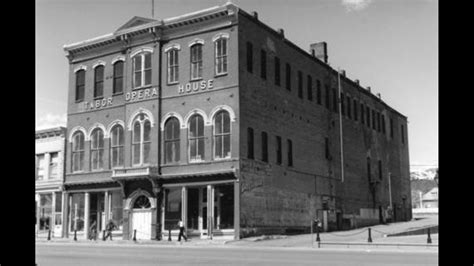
point(368, 88)
point(320, 51)
point(357, 81)
point(255, 14)
point(281, 32)
point(343, 72)
point(380, 96)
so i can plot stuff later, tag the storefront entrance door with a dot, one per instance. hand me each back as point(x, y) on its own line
point(142, 223)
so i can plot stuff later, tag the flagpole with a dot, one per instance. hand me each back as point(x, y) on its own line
point(340, 123)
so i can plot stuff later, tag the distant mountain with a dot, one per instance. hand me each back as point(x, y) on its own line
point(422, 172)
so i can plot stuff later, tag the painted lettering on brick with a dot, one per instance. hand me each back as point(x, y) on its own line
point(195, 86)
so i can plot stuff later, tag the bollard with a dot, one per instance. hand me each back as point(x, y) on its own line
point(169, 234)
point(103, 235)
point(135, 235)
point(317, 234)
point(429, 236)
point(49, 235)
point(370, 236)
point(75, 235)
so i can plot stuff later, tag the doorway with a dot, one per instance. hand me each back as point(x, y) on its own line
point(141, 218)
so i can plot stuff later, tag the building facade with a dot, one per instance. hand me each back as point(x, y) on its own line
point(50, 149)
point(216, 119)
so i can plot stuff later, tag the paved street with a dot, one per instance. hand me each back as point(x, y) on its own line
point(83, 254)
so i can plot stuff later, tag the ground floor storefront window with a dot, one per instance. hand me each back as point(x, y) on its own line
point(45, 211)
point(76, 212)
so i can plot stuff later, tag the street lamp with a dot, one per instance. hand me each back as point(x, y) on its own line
point(436, 177)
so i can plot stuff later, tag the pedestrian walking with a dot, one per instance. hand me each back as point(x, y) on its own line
point(108, 229)
point(93, 231)
point(181, 231)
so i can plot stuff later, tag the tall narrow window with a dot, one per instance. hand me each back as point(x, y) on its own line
point(349, 110)
point(53, 165)
point(142, 70)
point(250, 143)
point(222, 135)
point(300, 84)
point(379, 128)
point(326, 97)
point(288, 77)
point(318, 91)
point(172, 141)
point(374, 120)
point(278, 149)
point(391, 128)
point(383, 124)
point(249, 57)
point(380, 169)
point(326, 149)
point(367, 109)
point(356, 107)
point(117, 146)
point(402, 129)
point(77, 152)
point(263, 64)
point(97, 149)
point(277, 71)
point(173, 65)
point(40, 158)
point(335, 101)
point(264, 146)
point(118, 77)
point(221, 56)
point(362, 114)
point(99, 81)
point(141, 140)
point(309, 87)
point(80, 85)
point(290, 152)
point(196, 138)
point(196, 61)
point(369, 175)
point(341, 98)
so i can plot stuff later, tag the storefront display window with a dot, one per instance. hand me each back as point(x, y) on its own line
point(172, 208)
point(45, 211)
point(77, 212)
point(117, 209)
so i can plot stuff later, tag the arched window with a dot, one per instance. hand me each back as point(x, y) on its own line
point(196, 61)
point(172, 143)
point(141, 141)
point(80, 84)
point(142, 70)
point(173, 67)
point(116, 146)
point(142, 202)
point(196, 138)
point(99, 81)
point(97, 149)
point(78, 151)
point(221, 55)
point(118, 77)
point(222, 135)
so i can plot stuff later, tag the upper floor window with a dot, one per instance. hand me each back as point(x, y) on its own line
point(249, 57)
point(222, 135)
point(80, 85)
point(117, 146)
point(349, 110)
point(173, 66)
point(99, 81)
point(318, 91)
point(196, 138)
point(310, 87)
point(367, 109)
point(40, 164)
point(97, 149)
point(326, 97)
point(402, 131)
point(142, 70)
point(278, 150)
point(379, 128)
point(264, 146)
point(288, 77)
point(263, 64)
point(172, 140)
point(356, 114)
point(196, 61)
point(300, 84)
point(343, 109)
point(141, 140)
point(290, 152)
point(374, 120)
point(250, 143)
point(78, 151)
point(277, 71)
point(383, 124)
point(391, 128)
point(334, 101)
point(221, 56)
point(53, 165)
point(362, 114)
point(118, 77)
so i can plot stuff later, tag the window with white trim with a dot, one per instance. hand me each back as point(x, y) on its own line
point(118, 77)
point(78, 151)
point(99, 81)
point(116, 146)
point(142, 70)
point(196, 138)
point(222, 135)
point(80, 85)
point(141, 140)
point(97, 149)
point(173, 67)
point(53, 165)
point(172, 140)
point(40, 163)
point(221, 55)
point(196, 61)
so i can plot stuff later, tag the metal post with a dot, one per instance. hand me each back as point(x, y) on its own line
point(429, 236)
point(317, 233)
point(75, 235)
point(312, 221)
point(169, 234)
point(103, 235)
point(370, 236)
point(135, 235)
point(49, 234)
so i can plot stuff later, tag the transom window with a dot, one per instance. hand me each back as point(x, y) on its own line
point(196, 138)
point(142, 202)
point(78, 151)
point(118, 77)
point(172, 141)
point(173, 67)
point(142, 70)
point(99, 81)
point(196, 61)
point(141, 141)
point(221, 56)
point(117, 146)
point(97, 149)
point(222, 135)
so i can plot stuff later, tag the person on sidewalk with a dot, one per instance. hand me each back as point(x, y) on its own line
point(93, 231)
point(181, 231)
point(109, 228)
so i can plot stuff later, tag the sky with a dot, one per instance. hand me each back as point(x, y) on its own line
point(389, 45)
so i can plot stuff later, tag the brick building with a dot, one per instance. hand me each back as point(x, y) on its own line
point(164, 115)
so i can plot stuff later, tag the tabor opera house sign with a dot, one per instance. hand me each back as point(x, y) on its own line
point(195, 86)
point(132, 96)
